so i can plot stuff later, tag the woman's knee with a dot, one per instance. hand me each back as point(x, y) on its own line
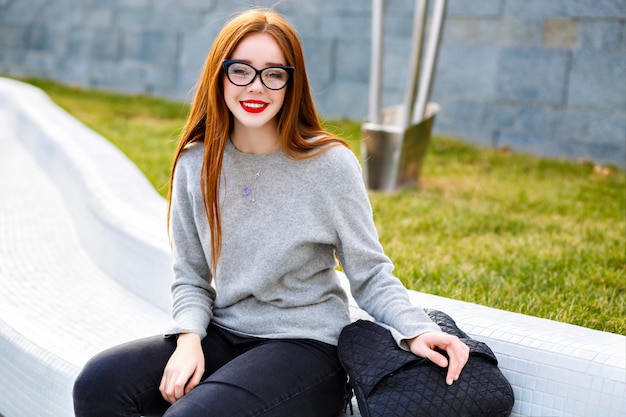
point(116, 378)
point(93, 385)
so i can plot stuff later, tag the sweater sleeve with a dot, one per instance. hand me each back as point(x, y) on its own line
point(192, 293)
point(368, 269)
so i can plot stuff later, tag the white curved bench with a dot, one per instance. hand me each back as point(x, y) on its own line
point(84, 256)
point(83, 248)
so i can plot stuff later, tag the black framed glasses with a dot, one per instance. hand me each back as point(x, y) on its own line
point(242, 74)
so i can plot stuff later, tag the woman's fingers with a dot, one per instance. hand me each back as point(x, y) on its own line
point(194, 381)
point(458, 353)
point(425, 344)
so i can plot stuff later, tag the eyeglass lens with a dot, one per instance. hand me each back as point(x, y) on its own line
point(242, 74)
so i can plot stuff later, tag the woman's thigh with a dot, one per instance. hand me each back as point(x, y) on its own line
point(279, 378)
point(124, 380)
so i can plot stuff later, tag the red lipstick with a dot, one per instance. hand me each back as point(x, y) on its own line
point(253, 106)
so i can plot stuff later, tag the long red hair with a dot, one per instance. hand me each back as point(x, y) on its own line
point(210, 120)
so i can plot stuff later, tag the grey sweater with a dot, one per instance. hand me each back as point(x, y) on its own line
point(282, 222)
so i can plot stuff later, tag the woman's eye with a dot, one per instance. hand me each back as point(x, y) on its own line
point(238, 70)
point(277, 75)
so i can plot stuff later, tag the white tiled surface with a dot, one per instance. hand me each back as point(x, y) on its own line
point(70, 222)
point(57, 306)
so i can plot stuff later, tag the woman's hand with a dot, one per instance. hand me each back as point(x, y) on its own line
point(184, 369)
point(424, 346)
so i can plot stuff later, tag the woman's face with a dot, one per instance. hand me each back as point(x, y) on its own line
point(255, 105)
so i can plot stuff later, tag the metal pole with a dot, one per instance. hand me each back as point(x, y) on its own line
point(419, 23)
point(376, 61)
point(430, 60)
point(419, 27)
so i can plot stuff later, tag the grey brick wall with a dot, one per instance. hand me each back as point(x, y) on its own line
point(544, 76)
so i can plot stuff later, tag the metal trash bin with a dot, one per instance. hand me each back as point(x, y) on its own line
point(394, 140)
point(380, 142)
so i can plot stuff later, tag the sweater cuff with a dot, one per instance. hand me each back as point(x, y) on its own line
point(188, 323)
point(176, 330)
point(418, 329)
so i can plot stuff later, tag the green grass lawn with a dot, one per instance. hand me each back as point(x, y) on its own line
point(533, 235)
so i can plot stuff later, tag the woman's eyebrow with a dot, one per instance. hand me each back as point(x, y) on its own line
point(267, 64)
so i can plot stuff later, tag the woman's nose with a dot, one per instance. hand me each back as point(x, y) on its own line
point(256, 84)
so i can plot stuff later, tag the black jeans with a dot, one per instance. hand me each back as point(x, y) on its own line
point(244, 377)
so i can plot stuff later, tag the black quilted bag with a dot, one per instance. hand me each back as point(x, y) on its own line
point(391, 382)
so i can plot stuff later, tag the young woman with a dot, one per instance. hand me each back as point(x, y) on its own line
point(262, 201)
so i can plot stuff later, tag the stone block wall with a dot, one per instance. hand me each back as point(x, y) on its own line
point(547, 77)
